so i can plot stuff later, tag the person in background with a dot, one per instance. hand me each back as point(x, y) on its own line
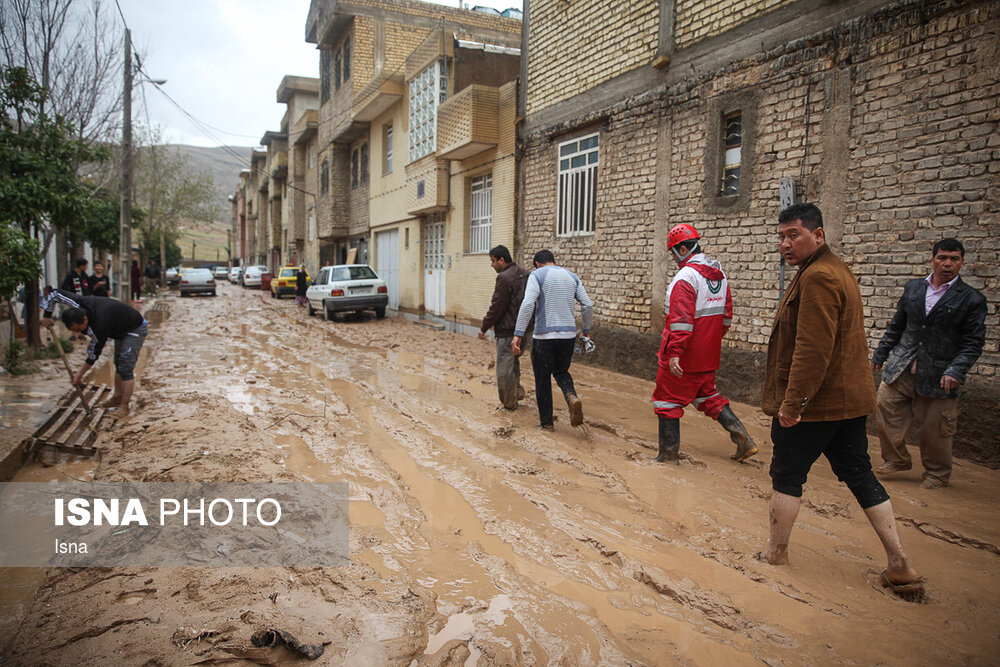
point(301, 285)
point(78, 281)
point(501, 317)
point(937, 333)
point(136, 281)
point(100, 283)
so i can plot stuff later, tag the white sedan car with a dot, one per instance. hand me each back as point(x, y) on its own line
point(347, 287)
point(251, 275)
point(234, 274)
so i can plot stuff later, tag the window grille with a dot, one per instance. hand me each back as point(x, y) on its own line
point(732, 146)
point(387, 150)
point(577, 194)
point(336, 69)
point(324, 177)
point(364, 163)
point(324, 76)
point(481, 213)
point(346, 49)
point(354, 168)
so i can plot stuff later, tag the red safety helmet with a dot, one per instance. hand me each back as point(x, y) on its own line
point(680, 234)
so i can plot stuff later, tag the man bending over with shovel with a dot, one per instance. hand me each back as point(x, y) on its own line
point(101, 319)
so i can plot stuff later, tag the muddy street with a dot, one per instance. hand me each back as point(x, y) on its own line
point(478, 539)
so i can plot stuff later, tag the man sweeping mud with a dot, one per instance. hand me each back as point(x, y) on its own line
point(699, 312)
point(101, 319)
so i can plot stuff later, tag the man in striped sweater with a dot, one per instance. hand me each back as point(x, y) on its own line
point(549, 295)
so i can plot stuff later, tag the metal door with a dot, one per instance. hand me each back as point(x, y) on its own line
point(387, 263)
point(434, 266)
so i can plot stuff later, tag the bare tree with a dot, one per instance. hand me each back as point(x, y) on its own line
point(73, 49)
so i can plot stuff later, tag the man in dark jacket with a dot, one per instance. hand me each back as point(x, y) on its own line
point(78, 281)
point(936, 335)
point(501, 317)
point(101, 319)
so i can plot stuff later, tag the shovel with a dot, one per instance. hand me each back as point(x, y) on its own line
point(79, 392)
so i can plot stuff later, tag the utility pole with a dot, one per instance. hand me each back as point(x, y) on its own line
point(193, 245)
point(125, 230)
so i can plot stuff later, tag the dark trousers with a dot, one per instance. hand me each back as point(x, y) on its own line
point(551, 358)
point(845, 445)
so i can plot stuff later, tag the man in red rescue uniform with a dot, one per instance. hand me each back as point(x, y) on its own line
point(699, 311)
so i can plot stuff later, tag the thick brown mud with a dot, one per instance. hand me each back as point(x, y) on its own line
point(477, 538)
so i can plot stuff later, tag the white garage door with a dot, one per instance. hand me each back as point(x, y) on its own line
point(387, 263)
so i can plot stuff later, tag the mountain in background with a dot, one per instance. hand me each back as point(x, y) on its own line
point(208, 241)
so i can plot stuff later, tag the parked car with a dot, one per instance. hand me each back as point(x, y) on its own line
point(347, 287)
point(234, 274)
point(197, 281)
point(284, 281)
point(220, 272)
point(251, 275)
point(173, 275)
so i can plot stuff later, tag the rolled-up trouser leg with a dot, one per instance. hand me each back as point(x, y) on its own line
point(508, 373)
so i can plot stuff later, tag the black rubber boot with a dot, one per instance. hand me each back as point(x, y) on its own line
point(738, 434)
point(670, 440)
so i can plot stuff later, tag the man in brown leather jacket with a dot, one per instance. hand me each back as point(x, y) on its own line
point(501, 317)
point(819, 389)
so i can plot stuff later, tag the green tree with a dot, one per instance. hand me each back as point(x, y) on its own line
point(19, 263)
point(40, 189)
point(170, 192)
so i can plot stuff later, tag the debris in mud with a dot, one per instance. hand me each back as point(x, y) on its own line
point(503, 431)
point(272, 637)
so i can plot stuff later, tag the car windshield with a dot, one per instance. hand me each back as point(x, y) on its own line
point(353, 273)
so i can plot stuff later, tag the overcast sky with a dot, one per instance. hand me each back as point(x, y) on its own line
point(223, 61)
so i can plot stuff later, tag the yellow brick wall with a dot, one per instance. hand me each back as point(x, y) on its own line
point(471, 279)
point(695, 20)
point(573, 46)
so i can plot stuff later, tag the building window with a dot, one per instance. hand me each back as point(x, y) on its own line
point(577, 195)
point(324, 177)
point(387, 150)
point(312, 225)
point(364, 163)
point(324, 76)
point(481, 213)
point(336, 70)
point(732, 143)
point(354, 168)
point(346, 50)
point(427, 90)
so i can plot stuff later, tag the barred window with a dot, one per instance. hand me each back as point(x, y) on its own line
point(732, 146)
point(354, 168)
point(338, 59)
point(346, 49)
point(577, 195)
point(324, 76)
point(481, 213)
point(427, 90)
point(364, 163)
point(324, 177)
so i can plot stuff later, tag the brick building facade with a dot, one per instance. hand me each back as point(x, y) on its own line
point(885, 114)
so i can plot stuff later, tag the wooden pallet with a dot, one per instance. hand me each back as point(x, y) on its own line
point(70, 428)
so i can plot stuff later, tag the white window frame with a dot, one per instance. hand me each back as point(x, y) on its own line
point(578, 165)
point(387, 149)
point(480, 213)
point(428, 90)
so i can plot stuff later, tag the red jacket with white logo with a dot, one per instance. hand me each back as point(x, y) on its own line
point(699, 312)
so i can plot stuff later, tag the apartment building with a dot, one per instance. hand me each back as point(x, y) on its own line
point(300, 95)
point(387, 69)
point(642, 115)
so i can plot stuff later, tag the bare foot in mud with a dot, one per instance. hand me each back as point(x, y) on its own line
point(900, 577)
point(779, 558)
